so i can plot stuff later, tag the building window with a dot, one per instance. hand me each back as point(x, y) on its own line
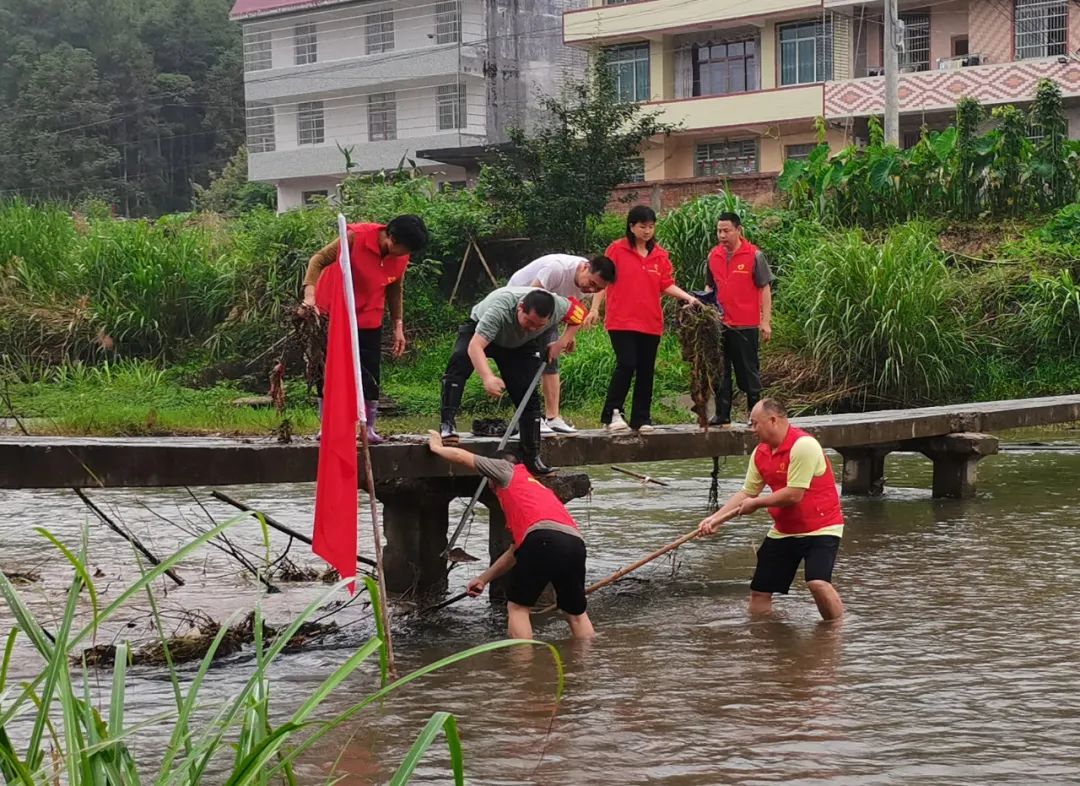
point(637, 170)
point(616, 2)
point(916, 54)
point(257, 50)
point(805, 53)
point(733, 157)
point(379, 32)
point(310, 129)
point(1041, 29)
point(629, 67)
point(450, 107)
point(447, 22)
point(729, 67)
point(260, 128)
point(311, 197)
point(382, 116)
point(305, 44)
point(799, 152)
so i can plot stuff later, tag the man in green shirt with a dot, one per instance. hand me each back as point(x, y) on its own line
point(508, 326)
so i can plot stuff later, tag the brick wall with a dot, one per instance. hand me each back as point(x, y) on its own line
point(663, 195)
point(990, 30)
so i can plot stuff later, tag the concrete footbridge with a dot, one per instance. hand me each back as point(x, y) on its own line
point(416, 488)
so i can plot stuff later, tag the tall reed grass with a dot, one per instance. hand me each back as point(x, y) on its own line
point(76, 739)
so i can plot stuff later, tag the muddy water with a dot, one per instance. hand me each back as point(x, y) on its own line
point(956, 662)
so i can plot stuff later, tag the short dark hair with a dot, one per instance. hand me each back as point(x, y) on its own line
point(539, 302)
point(774, 407)
point(603, 267)
point(508, 454)
point(640, 214)
point(727, 215)
point(409, 231)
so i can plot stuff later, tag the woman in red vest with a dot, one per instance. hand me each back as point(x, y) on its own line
point(804, 505)
point(634, 318)
point(547, 547)
point(378, 255)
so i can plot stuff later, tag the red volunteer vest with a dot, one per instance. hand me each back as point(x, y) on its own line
point(527, 501)
point(371, 274)
point(736, 291)
point(820, 505)
point(632, 302)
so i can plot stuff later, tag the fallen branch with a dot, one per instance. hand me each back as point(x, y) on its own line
point(639, 476)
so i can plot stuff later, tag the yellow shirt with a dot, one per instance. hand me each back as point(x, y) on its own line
point(807, 462)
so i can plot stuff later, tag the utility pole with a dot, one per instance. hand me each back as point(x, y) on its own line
point(892, 67)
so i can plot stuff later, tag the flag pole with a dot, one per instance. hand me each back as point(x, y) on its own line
point(350, 299)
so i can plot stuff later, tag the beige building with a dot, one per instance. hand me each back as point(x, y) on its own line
point(746, 79)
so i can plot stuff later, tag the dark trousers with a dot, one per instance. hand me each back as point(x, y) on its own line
point(370, 340)
point(517, 365)
point(740, 355)
point(635, 358)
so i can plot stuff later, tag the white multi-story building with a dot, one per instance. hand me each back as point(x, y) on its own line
point(381, 81)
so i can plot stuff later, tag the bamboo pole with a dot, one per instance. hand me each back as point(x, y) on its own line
point(614, 577)
point(639, 476)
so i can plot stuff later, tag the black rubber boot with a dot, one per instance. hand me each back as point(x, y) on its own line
point(530, 446)
point(451, 401)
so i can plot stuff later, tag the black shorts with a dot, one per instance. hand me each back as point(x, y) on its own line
point(549, 556)
point(778, 560)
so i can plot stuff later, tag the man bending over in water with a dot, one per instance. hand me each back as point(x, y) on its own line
point(547, 544)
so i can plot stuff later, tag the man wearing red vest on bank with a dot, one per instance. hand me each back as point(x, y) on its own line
point(378, 255)
point(547, 546)
point(804, 505)
point(739, 274)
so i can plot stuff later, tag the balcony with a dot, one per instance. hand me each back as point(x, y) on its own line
point(383, 71)
point(762, 107)
point(940, 90)
point(637, 19)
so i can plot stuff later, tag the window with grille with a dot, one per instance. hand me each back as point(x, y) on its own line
point(382, 116)
point(379, 32)
point(310, 128)
point(637, 171)
point(260, 128)
point(450, 107)
point(727, 67)
point(305, 44)
point(916, 54)
point(257, 50)
point(447, 22)
point(735, 157)
point(799, 152)
point(629, 67)
point(1041, 28)
point(805, 53)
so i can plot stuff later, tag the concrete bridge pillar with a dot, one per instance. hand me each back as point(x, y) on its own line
point(864, 469)
point(955, 457)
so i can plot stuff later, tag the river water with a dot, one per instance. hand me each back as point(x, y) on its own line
point(956, 662)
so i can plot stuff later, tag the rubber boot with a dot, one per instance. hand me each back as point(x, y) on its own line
point(451, 401)
point(318, 434)
point(530, 446)
point(371, 411)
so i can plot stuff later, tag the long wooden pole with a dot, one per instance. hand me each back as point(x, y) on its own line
point(689, 536)
point(639, 476)
point(274, 523)
point(380, 572)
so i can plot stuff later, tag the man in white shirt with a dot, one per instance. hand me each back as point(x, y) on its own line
point(569, 276)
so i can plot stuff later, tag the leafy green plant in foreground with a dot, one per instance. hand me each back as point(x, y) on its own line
point(72, 740)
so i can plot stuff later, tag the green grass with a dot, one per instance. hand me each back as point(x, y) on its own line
point(244, 740)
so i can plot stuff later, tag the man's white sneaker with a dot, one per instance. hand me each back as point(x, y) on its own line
point(545, 427)
point(617, 423)
point(646, 427)
point(561, 426)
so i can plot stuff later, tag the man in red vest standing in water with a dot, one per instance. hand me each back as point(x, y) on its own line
point(547, 544)
point(804, 505)
point(739, 274)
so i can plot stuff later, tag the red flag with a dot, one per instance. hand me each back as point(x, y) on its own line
point(336, 491)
